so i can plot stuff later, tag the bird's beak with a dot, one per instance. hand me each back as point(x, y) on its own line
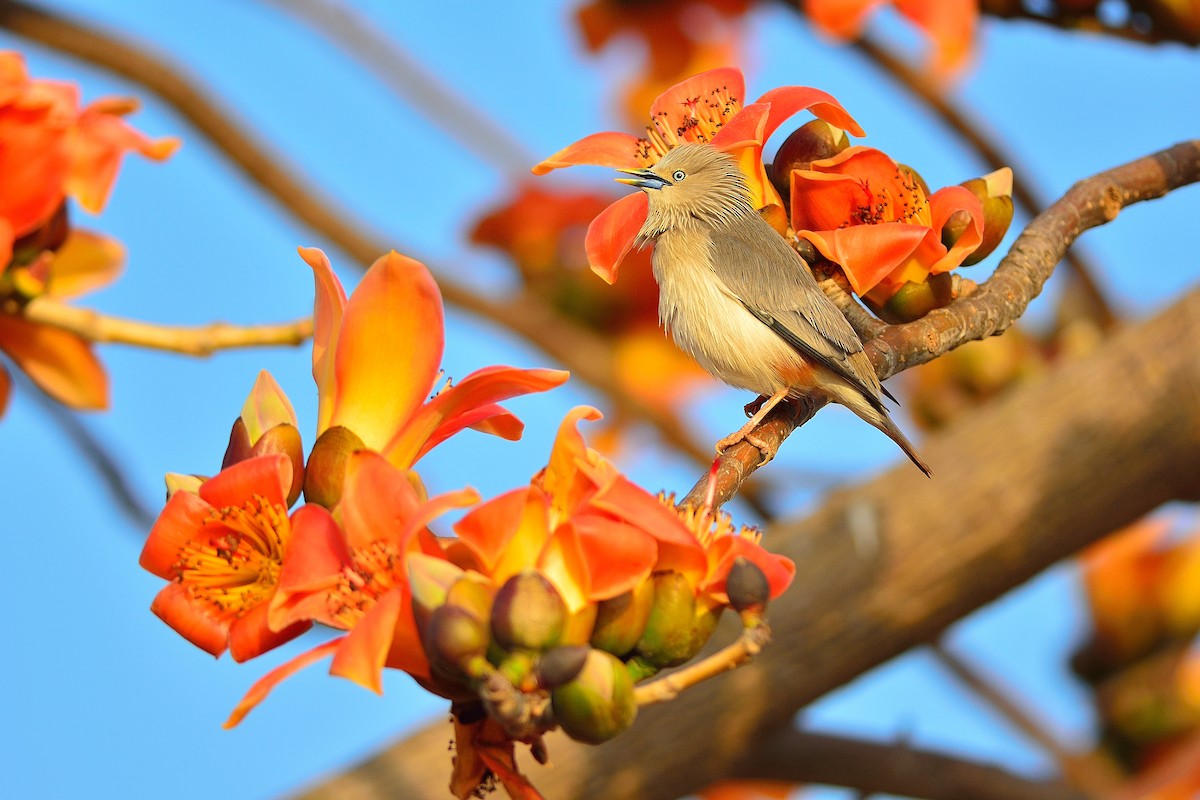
point(643, 179)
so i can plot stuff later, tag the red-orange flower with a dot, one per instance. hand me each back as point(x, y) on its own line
point(873, 216)
point(60, 363)
point(222, 548)
point(50, 148)
point(375, 362)
point(705, 108)
point(950, 24)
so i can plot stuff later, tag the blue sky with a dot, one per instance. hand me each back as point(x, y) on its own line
point(107, 701)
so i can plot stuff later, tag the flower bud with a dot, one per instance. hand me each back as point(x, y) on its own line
point(812, 141)
point(430, 580)
point(178, 482)
point(326, 471)
point(994, 191)
point(677, 628)
point(560, 665)
point(621, 620)
point(914, 300)
point(283, 439)
point(528, 613)
point(599, 703)
point(455, 641)
point(747, 586)
point(472, 592)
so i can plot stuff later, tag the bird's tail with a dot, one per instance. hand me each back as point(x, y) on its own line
point(878, 417)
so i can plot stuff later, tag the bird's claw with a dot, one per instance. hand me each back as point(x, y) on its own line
point(754, 406)
point(768, 452)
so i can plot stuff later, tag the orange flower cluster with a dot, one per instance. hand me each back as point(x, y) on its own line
point(564, 592)
point(949, 24)
point(874, 218)
point(50, 149)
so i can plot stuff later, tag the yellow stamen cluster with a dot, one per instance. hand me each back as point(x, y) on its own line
point(699, 122)
point(372, 575)
point(237, 567)
point(708, 525)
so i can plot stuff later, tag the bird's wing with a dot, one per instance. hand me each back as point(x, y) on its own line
point(762, 272)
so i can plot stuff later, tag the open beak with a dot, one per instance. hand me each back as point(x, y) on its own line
point(643, 179)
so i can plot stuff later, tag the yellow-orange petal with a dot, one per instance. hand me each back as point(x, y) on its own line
point(97, 144)
point(942, 204)
point(365, 649)
point(86, 262)
point(611, 235)
point(377, 500)
point(869, 253)
point(263, 686)
point(316, 557)
point(950, 25)
point(787, 101)
point(181, 519)
point(394, 316)
point(569, 449)
point(618, 555)
point(329, 306)
point(60, 363)
point(192, 620)
point(250, 635)
point(678, 548)
point(607, 149)
point(449, 411)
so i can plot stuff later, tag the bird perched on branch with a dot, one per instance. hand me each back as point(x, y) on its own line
point(737, 298)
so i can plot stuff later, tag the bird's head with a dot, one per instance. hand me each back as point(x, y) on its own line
point(693, 182)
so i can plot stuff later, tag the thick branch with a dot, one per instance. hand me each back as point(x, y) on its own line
point(998, 302)
point(888, 564)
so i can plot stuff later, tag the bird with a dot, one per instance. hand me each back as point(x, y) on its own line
point(737, 298)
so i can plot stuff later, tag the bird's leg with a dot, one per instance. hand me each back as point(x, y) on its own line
point(762, 406)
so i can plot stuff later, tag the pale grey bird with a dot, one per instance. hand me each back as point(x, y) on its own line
point(738, 299)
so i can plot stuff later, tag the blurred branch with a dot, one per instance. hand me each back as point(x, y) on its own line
point(200, 340)
point(995, 304)
point(98, 456)
point(894, 769)
point(409, 80)
point(887, 564)
point(732, 656)
point(1087, 772)
point(1148, 21)
point(588, 356)
point(994, 154)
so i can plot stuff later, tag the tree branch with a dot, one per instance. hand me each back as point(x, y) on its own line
point(886, 565)
point(995, 304)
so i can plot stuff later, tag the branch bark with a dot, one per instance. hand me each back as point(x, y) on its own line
point(888, 564)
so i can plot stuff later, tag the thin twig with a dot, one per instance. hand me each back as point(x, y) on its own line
point(1162, 28)
point(668, 687)
point(408, 79)
point(1088, 773)
point(199, 340)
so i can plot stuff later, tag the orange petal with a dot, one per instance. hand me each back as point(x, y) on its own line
point(942, 204)
point(488, 531)
point(5, 390)
point(192, 620)
point(618, 555)
point(259, 691)
point(608, 149)
point(365, 649)
point(316, 555)
point(99, 142)
point(950, 24)
point(328, 309)
point(560, 478)
point(269, 476)
point(678, 548)
point(60, 363)
point(611, 235)
point(393, 317)
point(843, 19)
point(181, 520)
point(676, 101)
point(251, 636)
point(869, 253)
point(787, 101)
point(444, 415)
point(85, 262)
point(7, 237)
point(377, 501)
point(779, 570)
point(492, 419)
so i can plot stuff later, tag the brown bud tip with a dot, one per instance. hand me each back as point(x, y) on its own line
point(747, 586)
point(528, 613)
point(560, 665)
point(326, 470)
point(599, 703)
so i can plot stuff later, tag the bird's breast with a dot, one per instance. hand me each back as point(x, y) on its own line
point(710, 324)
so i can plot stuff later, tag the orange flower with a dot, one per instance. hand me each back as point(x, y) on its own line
point(60, 363)
point(222, 548)
point(874, 217)
point(950, 24)
point(704, 108)
point(354, 577)
point(49, 148)
point(394, 317)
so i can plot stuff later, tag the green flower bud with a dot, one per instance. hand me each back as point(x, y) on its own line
point(528, 613)
point(599, 703)
point(994, 191)
point(326, 471)
point(621, 620)
point(677, 627)
point(456, 641)
point(915, 300)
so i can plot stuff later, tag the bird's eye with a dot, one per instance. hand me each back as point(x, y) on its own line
point(678, 175)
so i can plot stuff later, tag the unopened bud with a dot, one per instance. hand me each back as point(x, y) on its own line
point(455, 641)
point(914, 300)
point(283, 439)
point(621, 620)
point(747, 586)
point(676, 629)
point(528, 613)
point(812, 141)
point(326, 471)
point(560, 665)
point(599, 703)
point(994, 191)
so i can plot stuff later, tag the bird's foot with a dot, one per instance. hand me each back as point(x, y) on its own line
point(747, 434)
point(753, 407)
